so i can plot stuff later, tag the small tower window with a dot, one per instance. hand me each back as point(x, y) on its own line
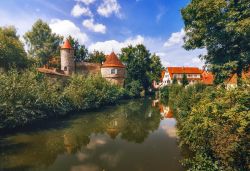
point(65, 68)
point(113, 71)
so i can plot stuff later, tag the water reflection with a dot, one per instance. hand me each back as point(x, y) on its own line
point(130, 136)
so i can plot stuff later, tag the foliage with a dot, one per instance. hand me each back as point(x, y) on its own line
point(155, 68)
point(133, 89)
point(90, 92)
point(201, 162)
point(96, 57)
point(42, 43)
point(12, 52)
point(141, 65)
point(175, 80)
point(223, 28)
point(184, 80)
point(164, 93)
point(29, 96)
point(81, 52)
point(214, 124)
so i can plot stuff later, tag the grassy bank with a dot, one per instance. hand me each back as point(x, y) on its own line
point(214, 124)
point(29, 96)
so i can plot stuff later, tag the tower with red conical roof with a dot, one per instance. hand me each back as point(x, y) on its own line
point(113, 70)
point(67, 58)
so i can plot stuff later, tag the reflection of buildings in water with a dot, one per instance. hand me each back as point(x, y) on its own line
point(165, 111)
point(155, 102)
point(113, 129)
point(68, 143)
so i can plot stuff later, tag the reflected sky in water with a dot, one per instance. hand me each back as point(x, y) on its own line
point(133, 135)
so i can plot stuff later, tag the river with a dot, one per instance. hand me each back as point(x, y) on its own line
point(135, 135)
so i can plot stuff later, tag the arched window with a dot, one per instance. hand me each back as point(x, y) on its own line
point(65, 68)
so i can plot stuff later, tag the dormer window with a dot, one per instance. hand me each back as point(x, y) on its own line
point(113, 71)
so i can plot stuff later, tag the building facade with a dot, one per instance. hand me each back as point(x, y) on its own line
point(194, 75)
point(112, 69)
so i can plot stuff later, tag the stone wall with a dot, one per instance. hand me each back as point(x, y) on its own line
point(117, 78)
point(88, 68)
point(67, 61)
point(106, 72)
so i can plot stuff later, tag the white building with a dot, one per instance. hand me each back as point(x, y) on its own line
point(193, 74)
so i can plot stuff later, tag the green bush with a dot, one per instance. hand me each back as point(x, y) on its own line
point(91, 92)
point(29, 96)
point(214, 122)
point(133, 89)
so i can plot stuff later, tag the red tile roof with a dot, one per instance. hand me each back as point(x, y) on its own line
point(66, 45)
point(183, 70)
point(207, 78)
point(113, 61)
point(233, 78)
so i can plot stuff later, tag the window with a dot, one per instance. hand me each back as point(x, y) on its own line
point(65, 69)
point(113, 71)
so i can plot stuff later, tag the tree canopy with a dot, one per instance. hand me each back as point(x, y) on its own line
point(184, 80)
point(81, 52)
point(42, 43)
point(141, 65)
point(96, 57)
point(12, 51)
point(223, 28)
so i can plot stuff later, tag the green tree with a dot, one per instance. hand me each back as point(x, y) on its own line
point(223, 28)
point(42, 43)
point(184, 80)
point(155, 68)
point(81, 52)
point(138, 62)
point(174, 80)
point(12, 52)
point(96, 57)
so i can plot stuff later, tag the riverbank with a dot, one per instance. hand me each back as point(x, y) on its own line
point(214, 123)
point(30, 96)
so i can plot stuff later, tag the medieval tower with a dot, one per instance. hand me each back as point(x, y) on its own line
point(113, 70)
point(67, 58)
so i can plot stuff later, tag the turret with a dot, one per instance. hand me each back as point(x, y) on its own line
point(67, 58)
point(113, 70)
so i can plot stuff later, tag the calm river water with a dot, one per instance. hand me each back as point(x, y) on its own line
point(131, 136)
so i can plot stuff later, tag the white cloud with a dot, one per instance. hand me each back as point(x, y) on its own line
point(66, 28)
point(113, 45)
point(95, 27)
point(176, 38)
point(77, 11)
point(86, 2)
point(108, 7)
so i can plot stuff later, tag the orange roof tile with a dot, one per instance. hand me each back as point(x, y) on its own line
point(234, 77)
point(66, 45)
point(207, 78)
point(183, 70)
point(113, 61)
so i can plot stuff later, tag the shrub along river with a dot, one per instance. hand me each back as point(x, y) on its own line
point(135, 135)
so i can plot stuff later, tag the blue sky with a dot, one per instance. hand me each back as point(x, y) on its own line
point(109, 25)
